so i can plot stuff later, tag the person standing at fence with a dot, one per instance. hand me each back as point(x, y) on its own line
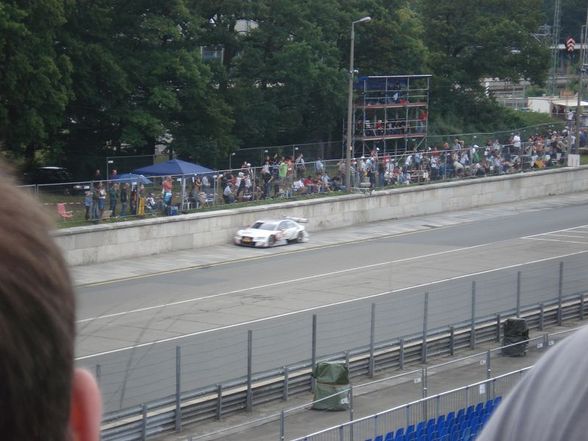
point(113, 193)
point(124, 199)
point(88, 203)
point(95, 205)
point(166, 191)
point(42, 395)
point(549, 403)
point(300, 166)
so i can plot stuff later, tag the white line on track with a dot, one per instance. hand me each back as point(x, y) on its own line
point(166, 340)
point(282, 282)
point(565, 230)
point(555, 240)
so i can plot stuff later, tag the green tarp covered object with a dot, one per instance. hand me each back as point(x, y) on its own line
point(330, 379)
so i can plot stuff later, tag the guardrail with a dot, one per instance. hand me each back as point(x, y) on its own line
point(207, 404)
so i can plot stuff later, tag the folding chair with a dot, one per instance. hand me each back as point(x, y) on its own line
point(65, 214)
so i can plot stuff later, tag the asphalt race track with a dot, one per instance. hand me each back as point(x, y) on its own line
point(131, 328)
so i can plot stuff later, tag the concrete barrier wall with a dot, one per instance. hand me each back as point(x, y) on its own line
point(107, 242)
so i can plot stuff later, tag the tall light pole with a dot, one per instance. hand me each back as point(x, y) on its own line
point(349, 144)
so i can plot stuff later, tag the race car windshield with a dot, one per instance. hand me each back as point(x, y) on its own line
point(263, 226)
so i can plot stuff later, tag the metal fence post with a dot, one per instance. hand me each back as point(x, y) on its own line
point(347, 362)
point(286, 385)
point(144, 422)
point(178, 388)
point(350, 412)
point(451, 340)
point(498, 322)
point(372, 362)
point(350, 392)
point(488, 366)
point(473, 324)
point(425, 328)
point(518, 294)
point(249, 403)
point(219, 401)
point(541, 316)
point(560, 294)
point(424, 381)
point(313, 351)
point(98, 374)
point(282, 425)
point(401, 355)
point(582, 306)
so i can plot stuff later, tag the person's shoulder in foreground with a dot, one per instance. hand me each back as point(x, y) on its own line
point(42, 396)
point(551, 401)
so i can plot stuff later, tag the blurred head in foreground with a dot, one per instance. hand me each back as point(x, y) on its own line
point(42, 396)
point(550, 401)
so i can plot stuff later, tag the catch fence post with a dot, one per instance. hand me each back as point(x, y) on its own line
point(473, 322)
point(425, 328)
point(313, 351)
point(98, 374)
point(249, 400)
point(371, 366)
point(178, 388)
point(560, 294)
point(518, 294)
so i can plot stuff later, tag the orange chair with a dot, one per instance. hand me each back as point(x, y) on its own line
point(63, 212)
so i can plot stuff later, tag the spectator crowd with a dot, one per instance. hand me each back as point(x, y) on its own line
point(282, 176)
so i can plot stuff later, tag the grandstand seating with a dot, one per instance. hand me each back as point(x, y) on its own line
point(461, 426)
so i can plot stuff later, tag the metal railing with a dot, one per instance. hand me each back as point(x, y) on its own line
point(419, 410)
point(100, 201)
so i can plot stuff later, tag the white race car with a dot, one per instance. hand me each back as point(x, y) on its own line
point(270, 232)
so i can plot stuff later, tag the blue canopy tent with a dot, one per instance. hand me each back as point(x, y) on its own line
point(131, 177)
point(175, 167)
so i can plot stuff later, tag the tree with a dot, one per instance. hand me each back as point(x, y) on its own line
point(467, 44)
point(35, 81)
point(139, 78)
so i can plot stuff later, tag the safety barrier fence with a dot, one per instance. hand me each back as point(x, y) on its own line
point(171, 413)
point(377, 322)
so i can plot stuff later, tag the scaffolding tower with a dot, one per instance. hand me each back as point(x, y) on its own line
point(390, 113)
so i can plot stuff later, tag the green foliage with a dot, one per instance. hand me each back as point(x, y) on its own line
point(34, 76)
point(83, 80)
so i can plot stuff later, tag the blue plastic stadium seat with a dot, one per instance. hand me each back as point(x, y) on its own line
point(379, 438)
point(489, 406)
point(459, 417)
point(479, 409)
point(497, 401)
point(409, 429)
point(440, 419)
point(420, 427)
point(389, 436)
